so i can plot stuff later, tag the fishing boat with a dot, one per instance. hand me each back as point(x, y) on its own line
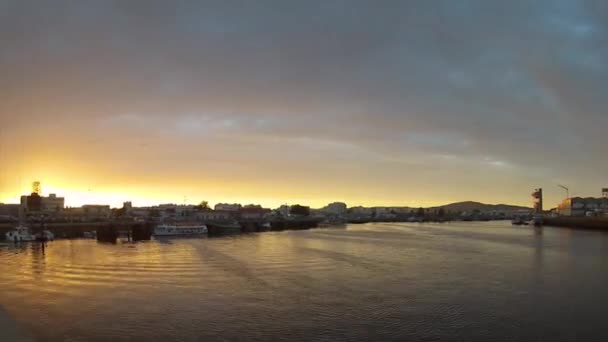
point(180, 230)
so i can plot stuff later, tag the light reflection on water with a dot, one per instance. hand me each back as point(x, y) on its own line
point(461, 281)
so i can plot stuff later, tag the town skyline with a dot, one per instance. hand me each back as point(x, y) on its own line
point(90, 198)
point(76, 198)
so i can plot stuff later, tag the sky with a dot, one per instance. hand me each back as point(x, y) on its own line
point(397, 103)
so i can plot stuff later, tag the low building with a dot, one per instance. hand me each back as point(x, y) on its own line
point(578, 206)
point(97, 212)
point(9, 210)
point(335, 209)
point(34, 204)
point(283, 210)
point(86, 213)
point(174, 211)
point(227, 207)
point(361, 211)
point(213, 215)
point(252, 212)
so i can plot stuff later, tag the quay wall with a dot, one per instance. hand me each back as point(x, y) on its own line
point(68, 230)
point(595, 223)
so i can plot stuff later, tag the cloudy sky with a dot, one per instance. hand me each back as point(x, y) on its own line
point(368, 102)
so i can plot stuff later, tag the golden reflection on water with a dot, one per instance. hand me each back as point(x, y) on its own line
point(375, 275)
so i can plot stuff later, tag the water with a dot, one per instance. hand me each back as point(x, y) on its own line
point(459, 281)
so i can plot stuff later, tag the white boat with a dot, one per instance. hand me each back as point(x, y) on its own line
point(19, 234)
point(177, 230)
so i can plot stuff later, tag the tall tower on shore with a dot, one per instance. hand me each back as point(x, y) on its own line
point(537, 200)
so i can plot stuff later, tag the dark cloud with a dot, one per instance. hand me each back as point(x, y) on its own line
point(477, 88)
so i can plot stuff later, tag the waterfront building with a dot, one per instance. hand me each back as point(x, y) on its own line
point(361, 211)
point(97, 212)
point(9, 210)
point(336, 209)
point(86, 213)
point(253, 212)
point(139, 212)
point(127, 207)
point(578, 206)
point(283, 210)
point(174, 211)
point(214, 215)
point(35, 203)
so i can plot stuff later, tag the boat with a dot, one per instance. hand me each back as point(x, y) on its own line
point(180, 229)
point(20, 233)
point(537, 221)
point(517, 221)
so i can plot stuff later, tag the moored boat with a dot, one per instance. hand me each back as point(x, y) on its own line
point(20, 233)
point(537, 221)
point(517, 221)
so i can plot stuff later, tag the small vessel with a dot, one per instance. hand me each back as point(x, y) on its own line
point(20, 233)
point(537, 221)
point(517, 221)
point(180, 229)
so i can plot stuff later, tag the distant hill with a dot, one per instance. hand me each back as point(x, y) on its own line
point(471, 206)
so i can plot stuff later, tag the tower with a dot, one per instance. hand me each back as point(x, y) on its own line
point(537, 200)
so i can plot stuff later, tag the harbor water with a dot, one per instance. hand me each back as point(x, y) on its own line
point(464, 281)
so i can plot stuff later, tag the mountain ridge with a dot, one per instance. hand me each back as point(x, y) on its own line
point(472, 206)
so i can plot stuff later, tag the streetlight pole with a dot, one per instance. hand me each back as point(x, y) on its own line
point(567, 190)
